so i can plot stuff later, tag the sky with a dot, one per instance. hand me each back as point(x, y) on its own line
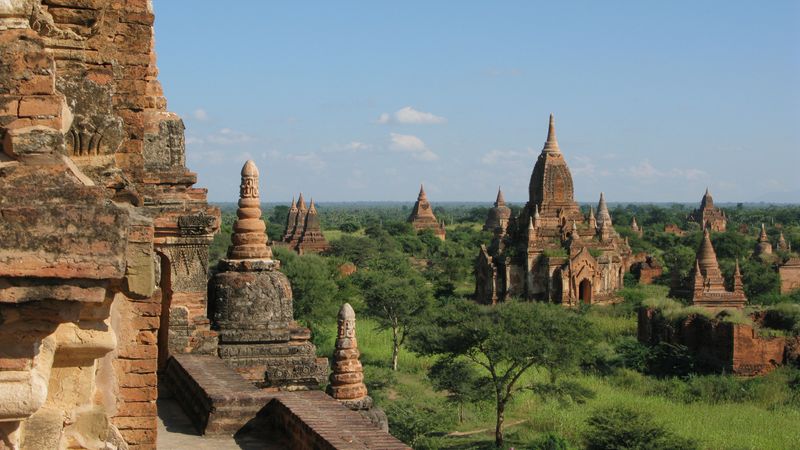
point(363, 101)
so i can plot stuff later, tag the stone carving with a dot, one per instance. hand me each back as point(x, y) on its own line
point(252, 306)
point(422, 217)
point(546, 252)
point(196, 224)
point(347, 380)
point(249, 231)
point(165, 147)
point(96, 130)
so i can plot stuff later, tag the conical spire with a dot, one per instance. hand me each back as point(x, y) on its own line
point(249, 239)
point(707, 202)
point(738, 285)
point(301, 203)
point(501, 201)
point(551, 144)
point(311, 208)
point(706, 256)
point(422, 195)
point(603, 216)
point(783, 245)
point(763, 236)
point(294, 204)
point(530, 223)
point(634, 225)
point(536, 212)
point(347, 379)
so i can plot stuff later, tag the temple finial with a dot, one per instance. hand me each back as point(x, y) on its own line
point(551, 144)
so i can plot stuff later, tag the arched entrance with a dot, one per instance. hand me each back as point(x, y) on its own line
point(585, 291)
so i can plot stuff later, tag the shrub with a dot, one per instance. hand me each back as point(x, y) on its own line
point(620, 427)
point(414, 424)
point(784, 316)
point(550, 441)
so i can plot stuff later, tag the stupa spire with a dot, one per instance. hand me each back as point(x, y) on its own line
point(603, 216)
point(706, 256)
point(301, 202)
point(249, 239)
point(763, 236)
point(501, 201)
point(551, 144)
point(422, 195)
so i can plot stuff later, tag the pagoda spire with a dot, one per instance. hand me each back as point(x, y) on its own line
point(501, 201)
point(249, 238)
point(763, 236)
point(603, 216)
point(738, 285)
point(551, 144)
point(706, 256)
point(301, 203)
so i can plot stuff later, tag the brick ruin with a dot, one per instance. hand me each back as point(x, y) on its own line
point(422, 217)
point(719, 345)
point(303, 232)
point(646, 268)
point(552, 251)
point(708, 216)
point(104, 246)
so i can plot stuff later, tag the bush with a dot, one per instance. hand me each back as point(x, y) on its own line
point(617, 427)
point(550, 441)
point(415, 424)
point(784, 316)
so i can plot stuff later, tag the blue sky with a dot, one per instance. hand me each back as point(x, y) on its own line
point(364, 100)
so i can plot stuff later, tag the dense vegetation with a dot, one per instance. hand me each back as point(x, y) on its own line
point(453, 374)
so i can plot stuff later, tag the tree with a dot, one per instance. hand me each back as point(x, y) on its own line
point(397, 299)
point(506, 341)
point(459, 379)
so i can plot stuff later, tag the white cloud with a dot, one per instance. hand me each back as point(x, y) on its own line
point(409, 115)
point(507, 156)
point(309, 160)
point(350, 147)
point(645, 171)
point(413, 145)
point(200, 114)
point(227, 136)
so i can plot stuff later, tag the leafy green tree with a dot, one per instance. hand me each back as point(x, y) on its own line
point(397, 297)
point(506, 341)
point(459, 379)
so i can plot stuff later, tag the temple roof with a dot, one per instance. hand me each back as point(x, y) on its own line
point(501, 201)
point(707, 202)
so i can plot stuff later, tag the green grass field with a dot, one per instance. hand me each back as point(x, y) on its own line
point(714, 426)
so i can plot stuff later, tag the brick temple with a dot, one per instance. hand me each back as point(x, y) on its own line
point(422, 217)
point(709, 216)
point(303, 232)
point(552, 251)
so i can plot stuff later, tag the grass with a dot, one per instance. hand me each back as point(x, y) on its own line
point(746, 425)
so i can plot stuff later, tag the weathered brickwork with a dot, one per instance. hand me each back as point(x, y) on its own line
point(104, 225)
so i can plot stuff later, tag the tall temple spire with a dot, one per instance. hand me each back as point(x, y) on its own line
point(422, 195)
point(501, 201)
point(763, 236)
point(603, 216)
point(783, 244)
point(707, 257)
point(249, 239)
point(551, 144)
point(301, 203)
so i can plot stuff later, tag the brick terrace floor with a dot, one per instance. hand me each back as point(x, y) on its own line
point(175, 432)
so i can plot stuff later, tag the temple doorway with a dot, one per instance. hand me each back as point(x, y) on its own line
point(165, 284)
point(585, 291)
